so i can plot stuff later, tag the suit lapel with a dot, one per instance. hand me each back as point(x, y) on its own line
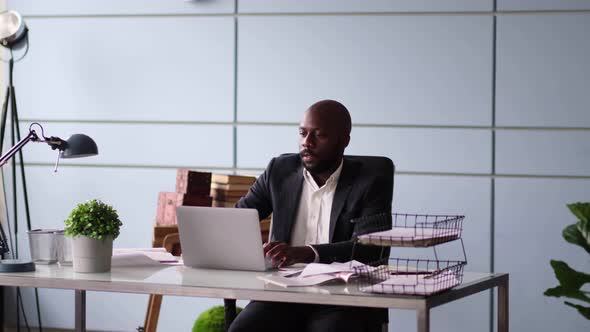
point(342, 190)
point(290, 201)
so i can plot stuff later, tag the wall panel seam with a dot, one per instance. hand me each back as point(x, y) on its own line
point(280, 14)
point(260, 169)
point(295, 124)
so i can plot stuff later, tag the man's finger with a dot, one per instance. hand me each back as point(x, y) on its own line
point(271, 251)
point(269, 246)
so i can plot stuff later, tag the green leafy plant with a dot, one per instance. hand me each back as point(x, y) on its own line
point(570, 280)
point(93, 219)
point(212, 320)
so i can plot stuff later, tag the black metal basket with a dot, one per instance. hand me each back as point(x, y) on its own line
point(407, 230)
point(403, 276)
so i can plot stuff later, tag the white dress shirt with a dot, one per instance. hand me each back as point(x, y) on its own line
point(312, 224)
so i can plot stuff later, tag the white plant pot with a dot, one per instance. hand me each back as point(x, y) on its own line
point(92, 255)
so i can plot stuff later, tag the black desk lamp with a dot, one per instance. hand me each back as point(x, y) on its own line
point(76, 146)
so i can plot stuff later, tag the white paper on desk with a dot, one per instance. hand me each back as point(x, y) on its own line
point(290, 271)
point(156, 254)
point(132, 259)
point(297, 281)
point(313, 269)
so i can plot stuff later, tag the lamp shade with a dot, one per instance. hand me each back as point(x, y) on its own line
point(13, 29)
point(79, 145)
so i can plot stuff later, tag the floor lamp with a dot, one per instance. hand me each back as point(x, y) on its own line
point(14, 36)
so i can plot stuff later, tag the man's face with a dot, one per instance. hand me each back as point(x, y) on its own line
point(320, 142)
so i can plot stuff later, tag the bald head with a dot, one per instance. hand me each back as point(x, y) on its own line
point(324, 133)
point(335, 113)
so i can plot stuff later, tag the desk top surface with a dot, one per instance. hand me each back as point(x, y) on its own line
point(185, 281)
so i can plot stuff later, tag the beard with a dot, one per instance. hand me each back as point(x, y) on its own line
point(320, 166)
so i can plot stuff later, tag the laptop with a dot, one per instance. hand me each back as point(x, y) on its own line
point(221, 238)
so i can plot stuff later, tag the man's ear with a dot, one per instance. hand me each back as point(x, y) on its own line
point(346, 140)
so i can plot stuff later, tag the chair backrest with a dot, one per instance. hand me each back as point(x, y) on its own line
point(374, 164)
point(378, 165)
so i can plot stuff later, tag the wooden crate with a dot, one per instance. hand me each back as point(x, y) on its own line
point(193, 182)
point(160, 231)
point(168, 201)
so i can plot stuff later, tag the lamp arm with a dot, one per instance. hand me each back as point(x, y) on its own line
point(32, 136)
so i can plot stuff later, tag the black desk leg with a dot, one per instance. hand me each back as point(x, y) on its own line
point(80, 303)
point(2, 288)
point(230, 312)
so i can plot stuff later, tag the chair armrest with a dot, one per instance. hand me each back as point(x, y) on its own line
point(171, 243)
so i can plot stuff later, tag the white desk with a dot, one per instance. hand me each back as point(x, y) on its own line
point(183, 281)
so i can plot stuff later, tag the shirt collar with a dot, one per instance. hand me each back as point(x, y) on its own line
point(332, 180)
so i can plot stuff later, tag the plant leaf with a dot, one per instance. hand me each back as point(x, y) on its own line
point(581, 210)
point(584, 229)
point(584, 311)
point(572, 234)
point(569, 278)
point(571, 293)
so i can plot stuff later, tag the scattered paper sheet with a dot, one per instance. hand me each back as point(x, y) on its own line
point(156, 254)
point(313, 274)
point(133, 259)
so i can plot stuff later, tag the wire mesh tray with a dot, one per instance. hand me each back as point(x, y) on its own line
point(408, 230)
point(410, 276)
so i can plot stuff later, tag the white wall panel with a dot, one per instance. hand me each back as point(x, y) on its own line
point(543, 4)
point(141, 144)
point(449, 195)
point(468, 314)
point(321, 6)
point(112, 311)
point(543, 152)
point(133, 193)
point(140, 68)
point(425, 150)
point(114, 7)
point(385, 69)
point(543, 70)
point(468, 196)
point(530, 215)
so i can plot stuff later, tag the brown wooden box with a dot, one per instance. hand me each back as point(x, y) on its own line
point(167, 203)
point(160, 231)
point(227, 196)
point(193, 182)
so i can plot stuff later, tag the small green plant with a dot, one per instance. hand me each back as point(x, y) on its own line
point(212, 320)
point(93, 219)
point(571, 281)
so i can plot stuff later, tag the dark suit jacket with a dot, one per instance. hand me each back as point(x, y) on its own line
point(365, 188)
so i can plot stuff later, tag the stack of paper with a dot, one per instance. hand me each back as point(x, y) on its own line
point(141, 257)
point(418, 284)
point(410, 236)
point(313, 274)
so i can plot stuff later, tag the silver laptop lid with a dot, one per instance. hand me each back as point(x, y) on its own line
point(220, 238)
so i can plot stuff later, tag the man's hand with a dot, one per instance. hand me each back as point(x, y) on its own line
point(282, 254)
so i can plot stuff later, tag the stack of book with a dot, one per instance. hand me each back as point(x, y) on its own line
point(192, 189)
point(226, 191)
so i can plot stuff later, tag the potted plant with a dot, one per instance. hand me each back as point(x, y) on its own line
point(92, 225)
point(572, 282)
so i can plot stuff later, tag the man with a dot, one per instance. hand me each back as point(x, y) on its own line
point(313, 196)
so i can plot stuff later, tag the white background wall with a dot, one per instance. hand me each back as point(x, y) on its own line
point(483, 106)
